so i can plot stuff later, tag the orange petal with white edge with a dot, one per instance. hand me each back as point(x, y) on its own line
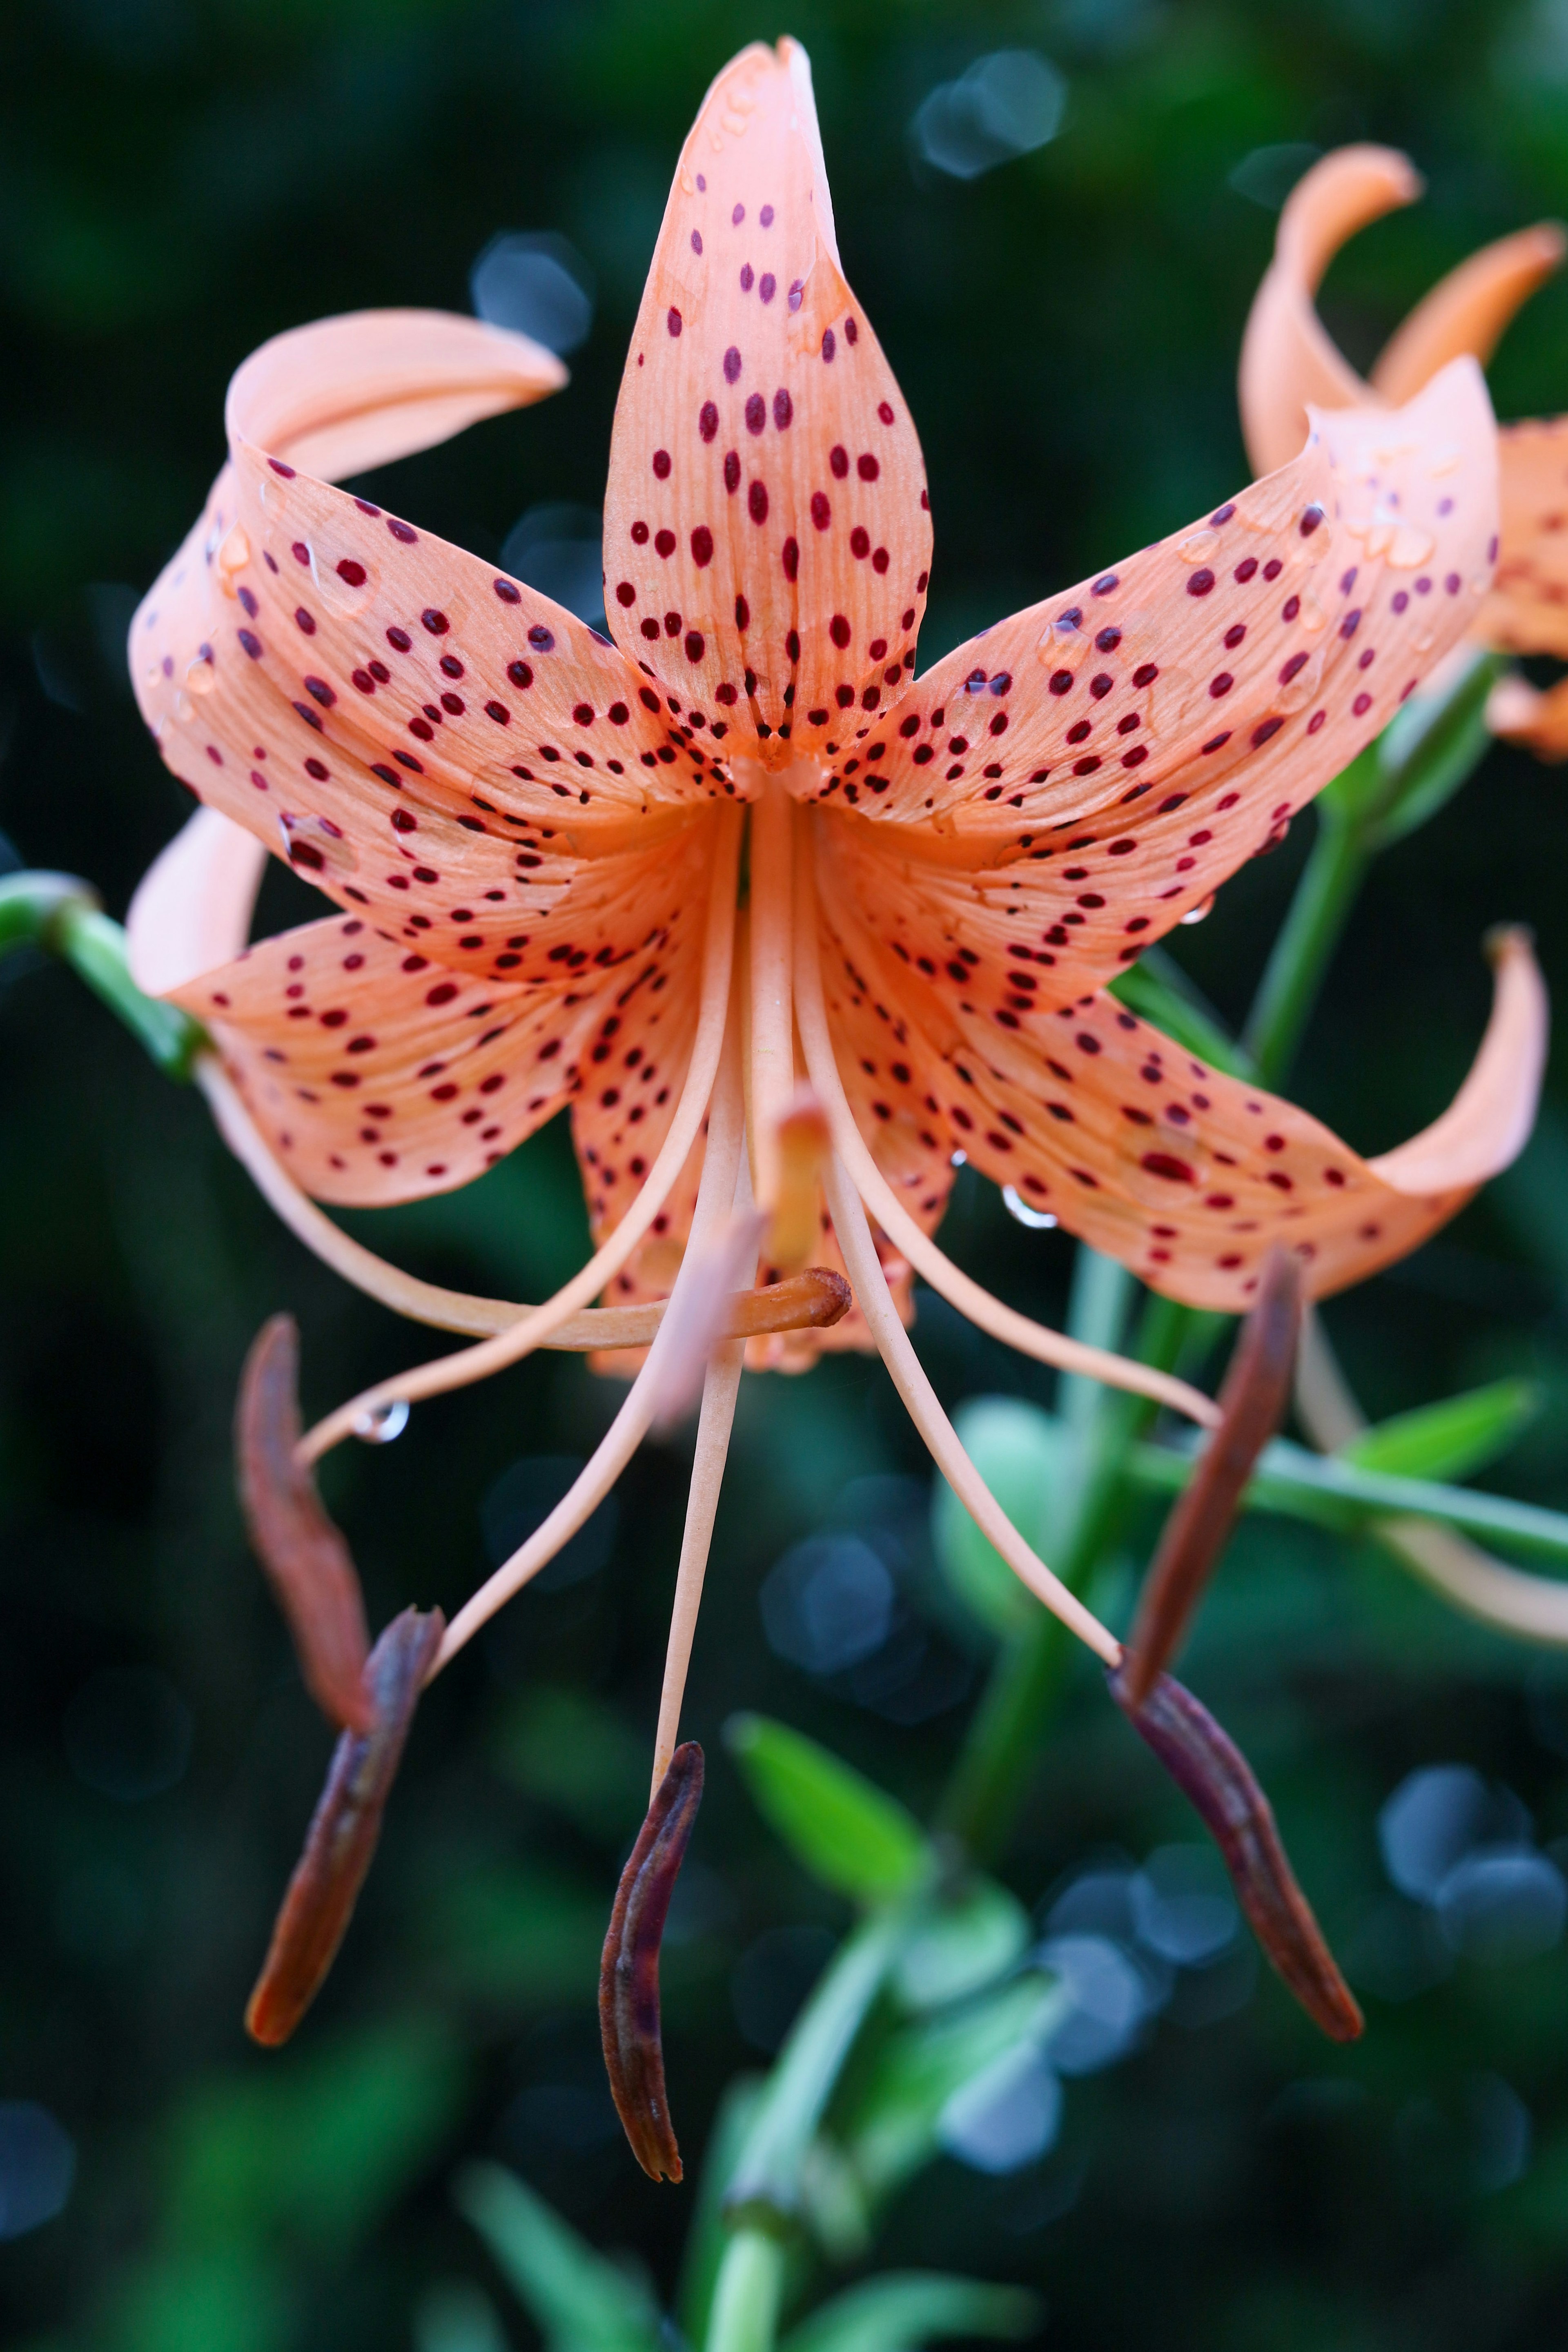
point(1104, 759)
point(1189, 1177)
point(1523, 714)
point(1467, 309)
point(1289, 362)
point(1527, 611)
point(377, 1075)
point(191, 909)
point(767, 532)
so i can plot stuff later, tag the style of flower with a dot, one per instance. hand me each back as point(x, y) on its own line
point(532, 836)
point(1289, 362)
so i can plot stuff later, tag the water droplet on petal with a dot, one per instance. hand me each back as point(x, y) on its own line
point(1038, 1221)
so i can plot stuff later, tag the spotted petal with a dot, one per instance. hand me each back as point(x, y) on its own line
point(415, 732)
point(767, 533)
point(377, 1076)
point(1062, 790)
point(1189, 1177)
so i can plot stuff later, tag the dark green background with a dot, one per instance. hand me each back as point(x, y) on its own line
point(178, 182)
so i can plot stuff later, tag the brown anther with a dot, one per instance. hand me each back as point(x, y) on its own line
point(629, 1971)
point(307, 1563)
point(1208, 1767)
point(344, 1831)
point(1252, 1404)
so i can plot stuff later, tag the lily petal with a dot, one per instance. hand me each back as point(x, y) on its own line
point(1521, 713)
point(377, 1076)
point(1527, 611)
point(1467, 309)
point(1149, 731)
point(341, 395)
point(1289, 362)
point(1189, 1177)
point(767, 530)
point(412, 730)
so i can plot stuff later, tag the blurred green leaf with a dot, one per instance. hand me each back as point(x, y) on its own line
point(839, 1826)
point(903, 2309)
point(963, 1943)
point(707, 2231)
point(577, 1754)
point(518, 1933)
point(458, 2316)
point(1334, 1493)
point(891, 2129)
point(321, 2140)
point(580, 2302)
point(1020, 1452)
point(1450, 1438)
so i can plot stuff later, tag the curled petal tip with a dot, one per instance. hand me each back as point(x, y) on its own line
point(307, 1561)
point(629, 2021)
point(1212, 1772)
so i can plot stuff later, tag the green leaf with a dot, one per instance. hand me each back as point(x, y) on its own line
point(1450, 1438)
point(1021, 1453)
point(1333, 1493)
point(891, 2130)
point(458, 2316)
point(580, 2302)
point(961, 1946)
point(903, 2309)
point(839, 1825)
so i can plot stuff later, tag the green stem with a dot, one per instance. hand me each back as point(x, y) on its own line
point(61, 913)
point(1289, 988)
point(986, 1783)
point(747, 2291)
point(767, 2175)
point(764, 2192)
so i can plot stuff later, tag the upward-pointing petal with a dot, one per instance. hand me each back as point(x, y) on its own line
point(1467, 310)
point(1288, 360)
point(767, 533)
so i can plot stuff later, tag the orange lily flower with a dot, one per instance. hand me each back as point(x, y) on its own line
point(1289, 361)
point(532, 834)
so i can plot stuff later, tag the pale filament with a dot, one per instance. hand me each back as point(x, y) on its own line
point(721, 1162)
point(896, 1349)
point(782, 1307)
point(720, 1388)
point(1509, 1599)
point(508, 1347)
point(989, 1314)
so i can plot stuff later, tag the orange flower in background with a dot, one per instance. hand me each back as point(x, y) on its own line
point(1289, 361)
point(532, 834)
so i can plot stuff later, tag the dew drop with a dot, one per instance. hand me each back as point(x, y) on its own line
point(1198, 913)
point(382, 1422)
point(1039, 1220)
point(1197, 546)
